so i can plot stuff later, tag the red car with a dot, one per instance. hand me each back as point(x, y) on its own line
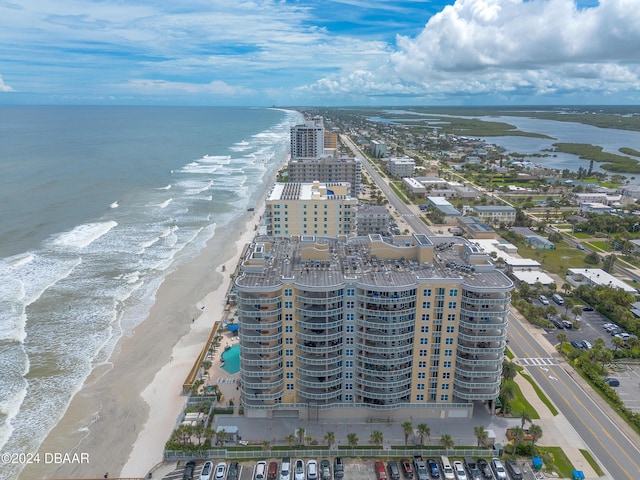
point(407, 469)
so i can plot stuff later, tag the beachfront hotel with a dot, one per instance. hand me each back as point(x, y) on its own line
point(369, 327)
point(311, 209)
point(327, 169)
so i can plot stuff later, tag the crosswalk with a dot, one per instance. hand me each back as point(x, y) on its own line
point(537, 362)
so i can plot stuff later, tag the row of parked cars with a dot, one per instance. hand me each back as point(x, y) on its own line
point(469, 469)
point(209, 472)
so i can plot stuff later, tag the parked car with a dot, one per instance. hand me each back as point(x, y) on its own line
point(381, 473)
point(543, 300)
point(261, 471)
point(498, 469)
point(312, 470)
point(272, 471)
point(394, 470)
point(205, 473)
point(514, 469)
point(338, 468)
point(298, 472)
point(233, 471)
point(472, 468)
point(623, 335)
point(567, 324)
point(484, 468)
point(325, 469)
point(458, 468)
point(285, 469)
point(587, 344)
point(407, 469)
point(612, 382)
point(577, 344)
point(221, 471)
point(189, 469)
point(580, 246)
point(557, 321)
point(434, 471)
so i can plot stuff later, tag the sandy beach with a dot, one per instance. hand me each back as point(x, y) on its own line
point(126, 410)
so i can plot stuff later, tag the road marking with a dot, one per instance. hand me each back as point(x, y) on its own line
point(537, 362)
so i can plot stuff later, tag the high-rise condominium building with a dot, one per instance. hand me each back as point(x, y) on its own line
point(370, 327)
point(311, 209)
point(307, 139)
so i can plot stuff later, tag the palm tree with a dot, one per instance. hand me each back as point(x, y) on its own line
point(300, 434)
point(518, 435)
point(577, 310)
point(290, 439)
point(447, 441)
point(308, 439)
point(617, 343)
point(221, 436)
point(352, 440)
point(509, 370)
point(562, 338)
point(407, 428)
point(507, 393)
point(525, 416)
point(377, 438)
point(424, 431)
point(481, 434)
point(266, 445)
point(535, 431)
point(330, 438)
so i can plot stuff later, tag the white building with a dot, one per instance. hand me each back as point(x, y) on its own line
point(594, 277)
point(414, 186)
point(307, 139)
point(401, 167)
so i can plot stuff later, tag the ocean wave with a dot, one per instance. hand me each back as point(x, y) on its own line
point(217, 159)
point(114, 205)
point(165, 188)
point(83, 235)
point(166, 203)
point(19, 260)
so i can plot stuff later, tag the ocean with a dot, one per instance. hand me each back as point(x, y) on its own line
point(97, 206)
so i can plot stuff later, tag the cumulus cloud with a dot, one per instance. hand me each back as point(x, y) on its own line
point(4, 87)
point(481, 37)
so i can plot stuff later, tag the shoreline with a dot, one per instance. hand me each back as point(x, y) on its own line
point(121, 419)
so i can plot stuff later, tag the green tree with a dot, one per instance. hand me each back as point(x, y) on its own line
point(407, 428)
point(562, 338)
point(352, 440)
point(577, 310)
point(330, 438)
point(377, 438)
point(507, 394)
point(300, 434)
point(617, 343)
point(481, 434)
point(290, 439)
point(525, 416)
point(424, 431)
point(518, 434)
point(535, 431)
point(509, 370)
point(447, 441)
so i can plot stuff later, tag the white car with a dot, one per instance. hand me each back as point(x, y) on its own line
point(207, 469)
point(298, 470)
point(460, 472)
point(498, 469)
point(543, 300)
point(312, 470)
point(221, 471)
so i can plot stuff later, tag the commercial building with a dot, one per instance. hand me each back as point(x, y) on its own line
point(327, 169)
point(449, 212)
point(311, 209)
point(369, 327)
point(495, 213)
point(307, 139)
point(378, 148)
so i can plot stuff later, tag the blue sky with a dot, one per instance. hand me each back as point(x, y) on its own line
point(320, 52)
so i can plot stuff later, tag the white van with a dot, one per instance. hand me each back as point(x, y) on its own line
point(557, 298)
point(261, 471)
point(447, 469)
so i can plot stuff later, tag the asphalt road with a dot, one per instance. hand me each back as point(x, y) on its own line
point(618, 454)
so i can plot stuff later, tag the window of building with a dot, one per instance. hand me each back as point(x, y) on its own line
point(446, 375)
point(426, 317)
point(441, 291)
point(426, 304)
point(349, 352)
point(350, 328)
point(426, 292)
point(289, 352)
point(446, 364)
point(350, 316)
point(421, 375)
point(288, 341)
point(348, 386)
point(436, 351)
point(351, 304)
point(289, 374)
point(451, 329)
point(420, 386)
point(453, 305)
point(424, 329)
point(289, 363)
point(424, 341)
point(445, 386)
point(351, 292)
point(451, 317)
point(288, 292)
point(434, 384)
point(448, 341)
point(348, 363)
point(349, 341)
point(289, 386)
point(422, 364)
point(423, 353)
point(453, 292)
point(444, 397)
point(348, 397)
point(288, 304)
point(288, 317)
point(420, 397)
point(448, 353)
point(348, 375)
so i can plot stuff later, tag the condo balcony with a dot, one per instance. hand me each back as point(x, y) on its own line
point(269, 385)
point(376, 322)
point(319, 312)
point(480, 350)
point(319, 335)
point(378, 335)
point(385, 372)
point(474, 384)
point(399, 348)
point(476, 394)
point(262, 348)
point(263, 312)
point(382, 394)
point(247, 335)
point(465, 360)
point(483, 315)
point(258, 323)
point(506, 300)
point(249, 360)
point(318, 371)
point(320, 394)
point(312, 359)
point(319, 323)
point(320, 348)
point(384, 360)
point(318, 298)
point(255, 371)
point(258, 301)
point(476, 324)
point(481, 337)
point(310, 383)
point(256, 395)
point(480, 371)
point(383, 384)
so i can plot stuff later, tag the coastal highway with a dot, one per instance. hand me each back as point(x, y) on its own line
point(619, 455)
point(398, 205)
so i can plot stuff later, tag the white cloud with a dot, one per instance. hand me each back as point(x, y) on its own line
point(4, 87)
point(163, 87)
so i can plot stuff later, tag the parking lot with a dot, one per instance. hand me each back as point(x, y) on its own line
point(354, 469)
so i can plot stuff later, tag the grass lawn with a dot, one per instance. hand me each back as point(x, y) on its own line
point(592, 462)
point(598, 245)
point(555, 459)
point(520, 403)
point(582, 235)
point(540, 394)
point(558, 260)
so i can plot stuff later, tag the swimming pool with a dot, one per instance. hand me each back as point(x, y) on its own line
point(231, 360)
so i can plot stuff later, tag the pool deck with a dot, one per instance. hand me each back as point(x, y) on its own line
point(227, 383)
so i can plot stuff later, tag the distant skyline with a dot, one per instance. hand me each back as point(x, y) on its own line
point(320, 52)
